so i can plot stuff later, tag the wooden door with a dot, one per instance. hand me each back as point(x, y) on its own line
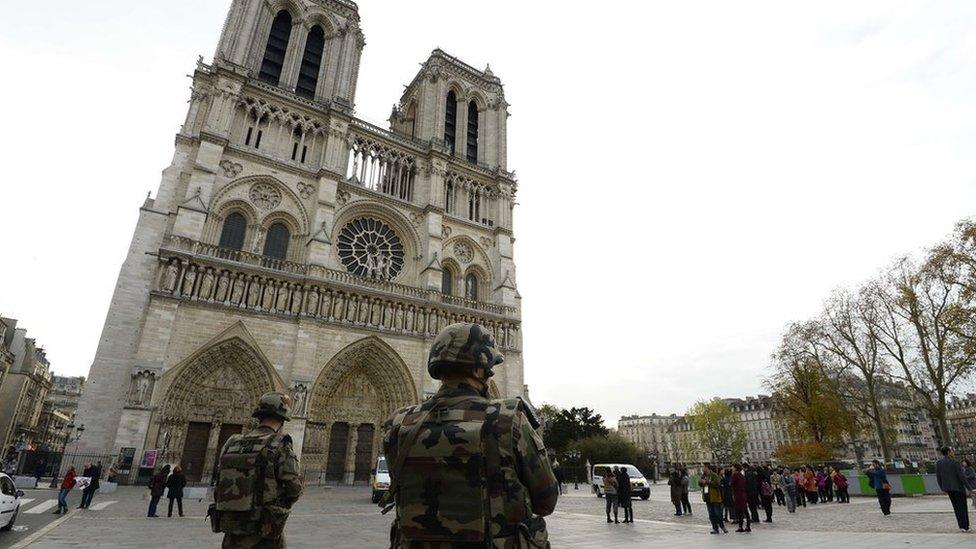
point(364, 451)
point(338, 443)
point(195, 450)
point(226, 431)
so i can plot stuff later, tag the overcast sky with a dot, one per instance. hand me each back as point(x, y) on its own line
point(692, 175)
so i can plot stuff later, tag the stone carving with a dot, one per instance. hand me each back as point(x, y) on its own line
point(463, 251)
point(299, 399)
point(265, 196)
point(206, 284)
point(369, 248)
point(221, 293)
point(231, 169)
point(171, 276)
point(342, 197)
point(141, 388)
point(445, 231)
point(189, 277)
point(305, 190)
point(487, 242)
point(417, 218)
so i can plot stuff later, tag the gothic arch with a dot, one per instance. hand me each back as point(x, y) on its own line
point(409, 237)
point(481, 260)
point(238, 192)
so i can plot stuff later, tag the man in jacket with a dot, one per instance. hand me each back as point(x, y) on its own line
point(465, 470)
point(624, 493)
point(711, 487)
point(952, 481)
point(752, 491)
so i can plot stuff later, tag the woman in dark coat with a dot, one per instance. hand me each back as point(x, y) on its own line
point(677, 491)
point(740, 499)
point(156, 488)
point(175, 484)
point(728, 507)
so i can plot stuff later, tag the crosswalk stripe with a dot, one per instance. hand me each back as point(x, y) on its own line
point(42, 506)
point(25, 501)
point(101, 505)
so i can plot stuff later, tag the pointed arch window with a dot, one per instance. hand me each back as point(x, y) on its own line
point(233, 231)
point(472, 153)
point(450, 120)
point(447, 281)
point(308, 73)
point(274, 52)
point(276, 243)
point(471, 287)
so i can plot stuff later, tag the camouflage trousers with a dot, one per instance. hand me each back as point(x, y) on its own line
point(232, 541)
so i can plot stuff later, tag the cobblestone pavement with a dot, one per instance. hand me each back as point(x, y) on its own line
point(344, 518)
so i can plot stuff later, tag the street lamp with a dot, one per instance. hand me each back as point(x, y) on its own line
point(68, 439)
point(575, 456)
point(652, 457)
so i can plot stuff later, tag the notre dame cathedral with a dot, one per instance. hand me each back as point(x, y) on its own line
point(292, 246)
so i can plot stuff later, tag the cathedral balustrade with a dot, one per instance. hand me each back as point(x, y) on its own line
point(382, 167)
point(201, 272)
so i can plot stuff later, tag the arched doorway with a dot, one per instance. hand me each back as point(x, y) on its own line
point(355, 393)
point(209, 397)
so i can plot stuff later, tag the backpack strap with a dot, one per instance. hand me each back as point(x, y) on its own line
point(401, 458)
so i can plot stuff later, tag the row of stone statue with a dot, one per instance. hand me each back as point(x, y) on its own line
point(255, 292)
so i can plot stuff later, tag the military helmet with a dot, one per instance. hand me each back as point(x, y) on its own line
point(274, 405)
point(463, 346)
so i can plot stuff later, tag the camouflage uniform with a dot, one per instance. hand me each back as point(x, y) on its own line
point(474, 471)
point(258, 482)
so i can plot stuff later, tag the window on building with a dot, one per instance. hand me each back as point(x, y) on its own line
point(447, 282)
point(276, 243)
point(298, 148)
point(450, 121)
point(308, 73)
point(274, 52)
point(471, 286)
point(472, 154)
point(232, 234)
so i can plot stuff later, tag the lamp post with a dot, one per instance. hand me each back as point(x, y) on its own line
point(652, 457)
point(575, 456)
point(68, 439)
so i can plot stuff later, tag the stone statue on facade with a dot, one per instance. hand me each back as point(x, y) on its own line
point(171, 276)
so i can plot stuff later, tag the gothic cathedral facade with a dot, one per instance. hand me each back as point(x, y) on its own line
point(292, 246)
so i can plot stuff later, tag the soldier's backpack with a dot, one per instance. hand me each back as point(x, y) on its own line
point(246, 494)
point(449, 470)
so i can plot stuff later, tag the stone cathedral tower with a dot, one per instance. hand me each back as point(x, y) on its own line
point(292, 246)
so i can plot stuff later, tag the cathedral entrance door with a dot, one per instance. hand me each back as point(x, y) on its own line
point(226, 431)
point(364, 451)
point(338, 444)
point(195, 450)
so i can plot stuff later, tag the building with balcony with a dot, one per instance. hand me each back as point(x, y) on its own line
point(650, 435)
point(24, 390)
point(961, 415)
point(765, 432)
point(66, 393)
point(52, 428)
point(293, 246)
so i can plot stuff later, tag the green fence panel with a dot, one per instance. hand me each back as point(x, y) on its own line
point(913, 484)
point(865, 485)
point(693, 485)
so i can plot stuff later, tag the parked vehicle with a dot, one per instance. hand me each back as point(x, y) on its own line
point(381, 479)
point(9, 502)
point(639, 485)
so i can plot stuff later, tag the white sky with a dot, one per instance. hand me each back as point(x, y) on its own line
point(693, 175)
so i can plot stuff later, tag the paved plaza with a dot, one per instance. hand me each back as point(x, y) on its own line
point(343, 517)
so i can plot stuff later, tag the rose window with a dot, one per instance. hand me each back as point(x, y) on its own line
point(369, 248)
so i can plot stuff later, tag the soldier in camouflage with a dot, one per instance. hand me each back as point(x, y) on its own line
point(467, 471)
point(257, 480)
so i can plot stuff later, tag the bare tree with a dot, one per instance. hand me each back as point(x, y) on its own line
point(924, 325)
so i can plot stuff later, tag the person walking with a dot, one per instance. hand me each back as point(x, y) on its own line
point(766, 492)
point(610, 493)
point(788, 486)
point(624, 493)
point(39, 472)
point(174, 490)
point(752, 491)
point(810, 485)
point(447, 508)
point(840, 481)
point(557, 471)
point(728, 506)
point(967, 467)
point(711, 488)
point(740, 497)
point(878, 480)
point(821, 486)
point(94, 473)
point(776, 479)
point(801, 491)
point(66, 485)
point(952, 480)
point(157, 485)
point(674, 481)
point(685, 487)
point(829, 483)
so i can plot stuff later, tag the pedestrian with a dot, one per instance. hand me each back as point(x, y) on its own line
point(879, 481)
point(810, 485)
point(157, 485)
point(766, 492)
point(674, 481)
point(39, 472)
point(952, 480)
point(624, 494)
point(776, 479)
point(94, 473)
point(752, 491)
point(801, 491)
point(740, 497)
point(821, 486)
point(113, 472)
point(829, 483)
point(557, 471)
point(66, 485)
point(610, 493)
point(788, 487)
point(521, 487)
point(711, 487)
point(970, 478)
point(728, 506)
point(174, 490)
point(685, 487)
point(840, 481)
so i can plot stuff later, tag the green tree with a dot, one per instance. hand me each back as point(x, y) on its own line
point(605, 449)
point(718, 430)
point(566, 426)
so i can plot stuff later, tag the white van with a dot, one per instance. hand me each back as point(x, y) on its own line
point(638, 484)
point(381, 479)
point(9, 502)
